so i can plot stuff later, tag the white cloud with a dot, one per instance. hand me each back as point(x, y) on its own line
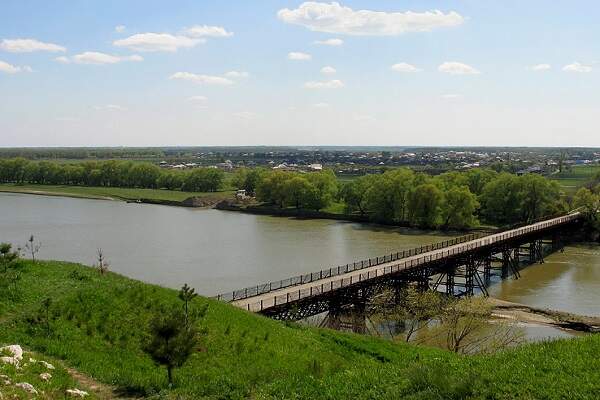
point(62, 59)
point(237, 74)
point(540, 67)
point(329, 42)
point(404, 67)
point(150, 42)
point(202, 79)
point(457, 68)
point(321, 105)
point(335, 18)
point(333, 84)
point(96, 58)
point(245, 115)
point(363, 118)
point(120, 28)
point(110, 107)
point(328, 70)
point(199, 99)
point(207, 31)
point(29, 46)
point(577, 67)
point(297, 56)
point(8, 68)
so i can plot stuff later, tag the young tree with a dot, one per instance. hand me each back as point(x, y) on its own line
point(33, 247)
point(7, 256)
point(187, 294)
point(172, 340)
point(420, 307)
point(465, 325)
point(102, 263)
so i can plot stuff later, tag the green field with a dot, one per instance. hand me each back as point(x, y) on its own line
point(576, 177)
point(109, 192)
point(98, 323)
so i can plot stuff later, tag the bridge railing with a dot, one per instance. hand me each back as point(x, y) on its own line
point(315, 290)
point(343, 269)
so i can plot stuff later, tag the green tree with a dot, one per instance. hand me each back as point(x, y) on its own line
point(539, 196)
point(142, 175)
point(324, 189)
point(7, 256)
point(458, 210)
point(203, 180)
point(271, 188)
point(502, 199)
point(425, 206)
point(187, 294)
point(248, 179)
point(479, 177)
point(171, 341)
point(297, 190)
point(354, 194)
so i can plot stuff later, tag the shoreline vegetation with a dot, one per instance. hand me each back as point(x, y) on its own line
point(95, 323)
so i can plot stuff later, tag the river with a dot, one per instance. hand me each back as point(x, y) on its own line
point(218, 251)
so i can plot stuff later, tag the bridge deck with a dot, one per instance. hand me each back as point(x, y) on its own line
point(278, 297)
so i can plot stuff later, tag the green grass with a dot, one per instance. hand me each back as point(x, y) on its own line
point(98, 323)
point(576, 177)
point(109, 192)
point(29, 371)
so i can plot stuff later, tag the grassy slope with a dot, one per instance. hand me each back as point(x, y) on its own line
point(107, 192)
point(99, 323)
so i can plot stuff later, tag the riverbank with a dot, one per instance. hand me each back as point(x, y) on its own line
point(290, 212)
point(98, 323)
point(516, 312)
point(150, 196)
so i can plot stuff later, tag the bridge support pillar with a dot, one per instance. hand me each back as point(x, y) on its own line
point(505, 262)
point(470, 271)
point(487, 269)
point(450, 281)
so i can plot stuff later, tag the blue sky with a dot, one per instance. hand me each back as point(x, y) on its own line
point(465, 72)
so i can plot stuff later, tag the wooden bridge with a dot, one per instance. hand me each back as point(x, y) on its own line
point(462, 266)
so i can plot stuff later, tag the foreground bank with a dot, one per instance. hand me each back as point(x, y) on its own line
point(98, 322)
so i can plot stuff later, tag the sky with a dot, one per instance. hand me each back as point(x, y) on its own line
point(239, 72)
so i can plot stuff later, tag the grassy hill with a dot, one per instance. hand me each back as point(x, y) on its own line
point(99, 322)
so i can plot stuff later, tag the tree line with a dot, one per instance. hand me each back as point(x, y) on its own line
point(112, 173)
point(454, 199)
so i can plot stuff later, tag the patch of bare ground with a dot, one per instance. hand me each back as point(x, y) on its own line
point(523, 313)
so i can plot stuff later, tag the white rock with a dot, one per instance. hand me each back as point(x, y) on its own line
point(14, 350)
point(47, 365)
point(45, 376)
point(10, 360)
point(77, 393)
point(28, 387)
point(32, 360)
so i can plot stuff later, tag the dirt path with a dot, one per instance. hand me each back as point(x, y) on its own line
point(99, 389)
